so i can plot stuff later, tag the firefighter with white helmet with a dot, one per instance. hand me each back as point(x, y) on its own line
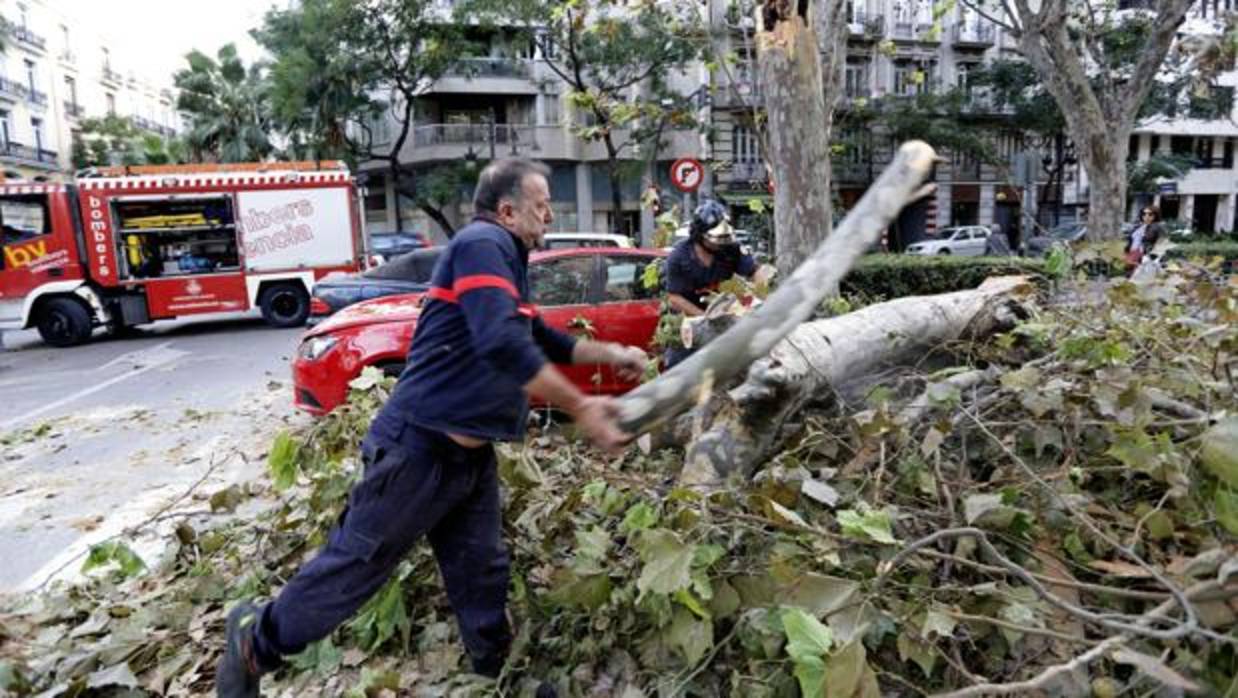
point(698, 265)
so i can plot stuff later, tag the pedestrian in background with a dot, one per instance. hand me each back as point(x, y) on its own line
point(1143, 237)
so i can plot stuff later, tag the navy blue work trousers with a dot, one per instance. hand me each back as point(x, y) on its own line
point(416, 482)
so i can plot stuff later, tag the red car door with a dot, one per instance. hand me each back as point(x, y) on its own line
point(560, 286)
point(627, 312)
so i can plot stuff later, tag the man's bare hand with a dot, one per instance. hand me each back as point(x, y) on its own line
point(629, 362)
point(598, 419)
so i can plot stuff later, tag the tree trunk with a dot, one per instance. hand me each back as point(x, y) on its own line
point(789, 65)
point(1106, 167)
point(394, 173)
point(794, 301)
point(436, 214)
point(740, 429)
point(832, 27)
point(616, 188)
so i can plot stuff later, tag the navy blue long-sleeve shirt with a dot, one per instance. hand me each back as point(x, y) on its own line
point(478, 340)
point(686, 276)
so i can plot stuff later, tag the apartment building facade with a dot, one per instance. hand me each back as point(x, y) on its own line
point(54, 72)
point(509, 102)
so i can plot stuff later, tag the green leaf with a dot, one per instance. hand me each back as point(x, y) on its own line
point(807, 637)
point(922, 653)
point(1225, 502)
point(691, 635)
point(847, 674)
point(282, 461)
point(103, 554)
point(668, 562)
point(871, 525)
point(989, 510)
point(1219, 450)
point(937, 623)
point(640, 516)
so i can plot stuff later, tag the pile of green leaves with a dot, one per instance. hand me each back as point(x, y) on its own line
point(1109, 425)
point(889, 276)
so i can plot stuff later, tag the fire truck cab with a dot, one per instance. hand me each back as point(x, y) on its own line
point(132, 245)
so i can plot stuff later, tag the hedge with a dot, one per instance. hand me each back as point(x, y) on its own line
point(887, 276)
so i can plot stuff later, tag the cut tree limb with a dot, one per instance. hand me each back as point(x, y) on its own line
point(794, 302)
point(743, 426)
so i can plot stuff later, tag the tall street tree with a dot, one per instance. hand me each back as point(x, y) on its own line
point(619, 61)
point(801, 51)
point(1100, 65)
point(226, 104)
point(341, 68)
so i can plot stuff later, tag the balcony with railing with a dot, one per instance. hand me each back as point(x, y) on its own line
point(974, 34)
point(38, 98)
point(72, 109)
point(866, 26)
point(487, 75)
point(435, 142)
point(13, 90)
point(109, 75)
point(28, 38)
point(914, 30)
point(25, 155)
point(743, 91)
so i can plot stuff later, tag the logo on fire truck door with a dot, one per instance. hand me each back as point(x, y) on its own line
point(193, 288)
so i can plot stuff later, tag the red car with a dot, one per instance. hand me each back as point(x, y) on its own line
point(595, 291)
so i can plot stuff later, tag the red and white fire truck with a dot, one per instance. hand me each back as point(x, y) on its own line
point(132, 245)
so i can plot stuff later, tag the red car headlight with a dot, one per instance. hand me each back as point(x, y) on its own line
point(313, 348)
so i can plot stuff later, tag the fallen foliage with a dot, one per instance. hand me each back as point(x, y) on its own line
point(1065, 522)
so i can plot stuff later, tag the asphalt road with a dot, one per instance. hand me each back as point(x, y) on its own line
point(97, 438)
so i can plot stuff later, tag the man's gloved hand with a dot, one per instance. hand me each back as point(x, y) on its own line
point(598, 419)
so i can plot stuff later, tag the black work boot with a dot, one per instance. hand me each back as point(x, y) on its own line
point(239, 672)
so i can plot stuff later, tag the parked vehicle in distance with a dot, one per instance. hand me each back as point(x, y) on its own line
point(963, 241)
point(389, 245)
point(408, 273)
point(598, 290)
point(565, 241)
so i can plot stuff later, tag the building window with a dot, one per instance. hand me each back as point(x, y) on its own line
point(553, 109)
point(111, 103)
point(912, 78)
point(21, 14)
point(1154, 145)
point(747, 146)
point(30, 75)
point(70, 89)
point(856, 79)
point(5, 129)
point(36, 125)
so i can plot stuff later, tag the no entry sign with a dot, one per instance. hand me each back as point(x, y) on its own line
point(687, 174)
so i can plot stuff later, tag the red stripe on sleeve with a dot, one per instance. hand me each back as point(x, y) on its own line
point(464, 284)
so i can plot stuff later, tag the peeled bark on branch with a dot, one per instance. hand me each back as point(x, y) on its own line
point(742, 428)
point(793, 302)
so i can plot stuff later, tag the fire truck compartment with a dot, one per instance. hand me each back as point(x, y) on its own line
point(175, 236)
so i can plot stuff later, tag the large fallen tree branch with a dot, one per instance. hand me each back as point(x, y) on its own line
point(794, 302)
point(742, 427)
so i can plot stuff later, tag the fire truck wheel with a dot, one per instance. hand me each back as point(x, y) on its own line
point(64, 322)
point(285, 305)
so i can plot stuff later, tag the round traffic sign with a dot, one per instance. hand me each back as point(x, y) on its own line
point(687, 174)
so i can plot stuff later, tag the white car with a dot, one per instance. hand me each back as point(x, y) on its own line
point(965, 241)
point(563, 241)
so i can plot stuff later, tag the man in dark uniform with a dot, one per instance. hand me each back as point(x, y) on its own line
point(698, 265)
point(429, 464)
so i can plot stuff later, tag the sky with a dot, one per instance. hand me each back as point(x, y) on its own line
point(154, 35)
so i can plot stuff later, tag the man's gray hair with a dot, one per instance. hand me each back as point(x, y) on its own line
point(504, 179)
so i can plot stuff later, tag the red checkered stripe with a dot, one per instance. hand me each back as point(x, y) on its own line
point(205, 181)
point(31, 188)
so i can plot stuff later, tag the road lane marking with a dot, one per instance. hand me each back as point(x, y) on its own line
point(156, 356)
